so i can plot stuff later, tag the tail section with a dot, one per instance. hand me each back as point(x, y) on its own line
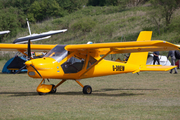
point(140, 58)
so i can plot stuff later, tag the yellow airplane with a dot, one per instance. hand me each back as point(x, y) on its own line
point(79, 61)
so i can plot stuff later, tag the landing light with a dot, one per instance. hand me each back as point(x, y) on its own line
point(31, 73)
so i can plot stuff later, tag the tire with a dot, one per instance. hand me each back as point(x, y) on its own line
point(40, 93)
point(53, 90)
point(87, 89)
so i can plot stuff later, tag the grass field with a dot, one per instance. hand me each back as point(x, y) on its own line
point(150, 95)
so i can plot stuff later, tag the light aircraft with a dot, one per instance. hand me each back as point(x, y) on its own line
point(79, 61)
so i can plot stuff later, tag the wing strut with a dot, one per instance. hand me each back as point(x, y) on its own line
point(97, 62)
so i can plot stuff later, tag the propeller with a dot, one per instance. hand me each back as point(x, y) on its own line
point(31, 38)
point(29, 57)
point(20, 69)
point(29, 49)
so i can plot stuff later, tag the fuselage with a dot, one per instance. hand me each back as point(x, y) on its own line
point(60, 64)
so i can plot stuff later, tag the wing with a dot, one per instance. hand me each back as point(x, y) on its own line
point(123, 47)
point(23, 47)
point(4, 32)
point(37, 36)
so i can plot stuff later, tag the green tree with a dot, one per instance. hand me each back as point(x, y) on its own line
point(20, 4)
point(106, 2)
point(166, 8)
point(35, 11)
point(11, 19)
point(71, 5)
point(43, 9)
point(154, 16)
point(1, 5)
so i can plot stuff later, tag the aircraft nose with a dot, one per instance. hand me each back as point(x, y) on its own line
point(28, 63)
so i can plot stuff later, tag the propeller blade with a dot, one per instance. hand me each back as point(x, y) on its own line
point(20, 70)
point(29, 49)
point(36, 70)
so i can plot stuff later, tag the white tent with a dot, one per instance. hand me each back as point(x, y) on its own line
point(163, 60)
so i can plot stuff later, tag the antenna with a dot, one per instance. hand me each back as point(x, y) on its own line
point(28, 26)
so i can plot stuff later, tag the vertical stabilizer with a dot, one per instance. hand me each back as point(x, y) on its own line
point(140, 58)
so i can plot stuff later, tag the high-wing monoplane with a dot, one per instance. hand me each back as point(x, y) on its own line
point(79, 61)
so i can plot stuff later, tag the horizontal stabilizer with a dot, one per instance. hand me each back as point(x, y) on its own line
point(156, 68)
point(37, 36)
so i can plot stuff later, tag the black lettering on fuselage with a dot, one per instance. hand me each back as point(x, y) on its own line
point(118, 68)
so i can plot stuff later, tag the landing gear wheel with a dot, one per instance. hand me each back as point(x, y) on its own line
point(53, 90)
point(87, 89)
point(40, 93)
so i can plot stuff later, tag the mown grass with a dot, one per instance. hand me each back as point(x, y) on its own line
point(150, 95)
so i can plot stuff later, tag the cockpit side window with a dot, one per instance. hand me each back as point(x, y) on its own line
point(73, 65)
point(91, 61)
point(58, 53)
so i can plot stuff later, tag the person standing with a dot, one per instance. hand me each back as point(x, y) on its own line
point(156, 57)
point(173, 60)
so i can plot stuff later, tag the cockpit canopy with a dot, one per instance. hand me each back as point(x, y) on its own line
point(58, 53)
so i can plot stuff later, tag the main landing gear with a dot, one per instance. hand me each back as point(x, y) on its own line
point(87, 89)
point(44, 89)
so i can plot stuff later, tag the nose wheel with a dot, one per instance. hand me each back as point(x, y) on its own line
point(53, 90)
point(45, 89)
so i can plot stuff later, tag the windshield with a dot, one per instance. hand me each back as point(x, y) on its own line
point(58, 53)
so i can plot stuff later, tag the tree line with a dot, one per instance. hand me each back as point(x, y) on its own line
point(13, 13)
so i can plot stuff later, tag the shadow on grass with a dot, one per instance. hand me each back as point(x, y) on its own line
point(101, 92)
point(20, 93)
point(97, 94)
point(17, 94)
point(110, 89)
